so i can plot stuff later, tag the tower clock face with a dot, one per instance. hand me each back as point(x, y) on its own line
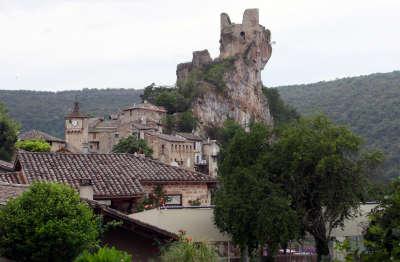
point(74, 123)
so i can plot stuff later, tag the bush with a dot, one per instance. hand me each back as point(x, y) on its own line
point(105, 254)
point(132, 145)
point(186, 251)
point(48, 222)
point(33, 145)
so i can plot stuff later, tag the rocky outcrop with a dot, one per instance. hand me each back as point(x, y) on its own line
point(247, 49)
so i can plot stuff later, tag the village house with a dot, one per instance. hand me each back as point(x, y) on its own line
point(85, 134)
point(56, 144)
point(120, 181)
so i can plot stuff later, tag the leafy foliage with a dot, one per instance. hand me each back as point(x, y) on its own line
point(104, 254)
point(382, 239)
point(48, 222)
point(33, 145)
point(132, 145)
point(280, 112)
point(186, 251)
point(46, 110)
point(248, 205)
point(369, 105)
point(8, 134)
point(320, 165)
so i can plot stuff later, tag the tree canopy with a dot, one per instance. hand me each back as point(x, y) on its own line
point(248, 205)
point(132, 145)
point(48, 222)
point(33, 145)
point(369, 105)
point(382, 238)
point(8, 134)
point(321, 167)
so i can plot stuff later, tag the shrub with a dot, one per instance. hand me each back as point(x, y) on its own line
point(48, 222)
point(33, 145)
point(104, 254)
point(186, 251)
point(132, 145)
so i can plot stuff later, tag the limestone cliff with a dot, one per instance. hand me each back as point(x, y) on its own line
point(230, 85)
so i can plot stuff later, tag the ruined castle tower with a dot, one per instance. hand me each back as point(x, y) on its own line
point(247, 48)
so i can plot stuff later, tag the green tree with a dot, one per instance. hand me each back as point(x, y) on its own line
point(104, 254)
point(33, 145)
point(185, 250)
point(132, 145)
point(48, 222)
point(248, 205)
point(8, 134)
point(186, 122)
point(280, 112)
point(382, 238)
point(320, 165)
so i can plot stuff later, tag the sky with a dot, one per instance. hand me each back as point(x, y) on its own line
point(68, 45)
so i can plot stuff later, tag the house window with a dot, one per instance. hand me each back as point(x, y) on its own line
point(173, 200)
point(162, 149)
point(116, 135)
point(94, 135)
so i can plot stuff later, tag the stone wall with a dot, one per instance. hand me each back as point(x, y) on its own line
point(189, 192)
point(248, 44)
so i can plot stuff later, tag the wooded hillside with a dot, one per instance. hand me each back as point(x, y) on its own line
point(46, 110)
point(369, 105)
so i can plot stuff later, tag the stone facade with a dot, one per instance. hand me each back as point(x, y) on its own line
point(170, 149)
point(248, 45)
point(188, 193)
point(98, 135)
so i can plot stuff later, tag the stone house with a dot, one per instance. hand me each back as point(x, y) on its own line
point(86, 134)
point(56, 144)
point(120, 181)
point(170, 149)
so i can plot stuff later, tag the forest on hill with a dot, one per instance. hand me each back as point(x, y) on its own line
point(369, 105)
point(45, 111)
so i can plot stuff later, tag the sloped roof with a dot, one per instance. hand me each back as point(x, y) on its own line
point(190, 136)
point(146, 106)
point(6, 165)
point(39, 135)
point(170, 138)
point(112, 175)
point(9, 177)
point(8, 190)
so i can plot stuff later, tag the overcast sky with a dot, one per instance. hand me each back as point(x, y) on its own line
point(63, 45)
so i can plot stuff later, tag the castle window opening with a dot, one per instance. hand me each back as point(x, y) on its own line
point(243, 35)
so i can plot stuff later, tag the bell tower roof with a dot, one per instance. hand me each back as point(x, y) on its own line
point(76, 113)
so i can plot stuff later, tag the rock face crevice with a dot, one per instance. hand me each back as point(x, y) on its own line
point(248, 46)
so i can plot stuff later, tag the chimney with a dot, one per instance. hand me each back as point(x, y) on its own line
point(86, 189)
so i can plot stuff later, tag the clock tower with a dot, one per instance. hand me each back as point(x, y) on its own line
point(77, 130)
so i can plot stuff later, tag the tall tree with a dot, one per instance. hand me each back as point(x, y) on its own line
point(248, 205)
point(320, 165)
point(8, 134)
point(132, 145)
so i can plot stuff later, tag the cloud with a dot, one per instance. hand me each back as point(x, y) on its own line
point(55, 45)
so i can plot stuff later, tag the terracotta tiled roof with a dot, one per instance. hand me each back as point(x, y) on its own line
point(9, 177)
point(39, 135)
point(8, 191)
point(112, 175)
point(6, 166)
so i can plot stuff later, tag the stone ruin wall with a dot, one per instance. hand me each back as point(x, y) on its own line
point(242, 100)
